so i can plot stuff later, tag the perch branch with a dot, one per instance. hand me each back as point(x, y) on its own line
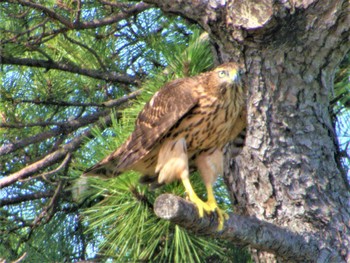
point(241, 230)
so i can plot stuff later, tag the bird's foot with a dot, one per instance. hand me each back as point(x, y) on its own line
point(222, 215)
point(201, 206)
point(209, 207)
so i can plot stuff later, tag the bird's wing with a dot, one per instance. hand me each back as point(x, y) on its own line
point(159, 115)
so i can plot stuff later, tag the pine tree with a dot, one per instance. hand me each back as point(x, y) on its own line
point(74, 76)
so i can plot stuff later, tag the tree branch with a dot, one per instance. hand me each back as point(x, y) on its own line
point(64, 164)
point(25, 198)
point(61, 103)
point(77, 24)
point(49, 210)
point(68, 126)
point(49, 159)
point(34, 124)
point(196, 10)
point(59, 154)
point(21, 258)
point(92, 51)
point(243, 230)
point(49, 64)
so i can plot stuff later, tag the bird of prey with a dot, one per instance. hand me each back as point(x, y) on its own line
point(186, 124)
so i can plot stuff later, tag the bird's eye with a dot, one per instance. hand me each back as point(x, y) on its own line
point(222, 74)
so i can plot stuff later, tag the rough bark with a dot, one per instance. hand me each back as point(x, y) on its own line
point(287, 173)
point(242, 230)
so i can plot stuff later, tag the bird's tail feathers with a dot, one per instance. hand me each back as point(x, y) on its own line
point(105, 169)
point(80, 188)
point(151, 181)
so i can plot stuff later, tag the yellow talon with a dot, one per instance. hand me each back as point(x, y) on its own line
point(222, 216)
point(209, 207)
point(202, 206)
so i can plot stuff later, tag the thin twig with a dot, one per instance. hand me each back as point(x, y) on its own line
point(21, 258)
point(115, 4)
point(51, 158)
point(68, 126)
point(45, 162)
point(55, 103)
point(27, 125)
point(93, 52)
point(48, 211)
point(27, 32)
point(68, 67)
point(126, 13)
point(44, 175)
point(25, 198)
point(78, 15)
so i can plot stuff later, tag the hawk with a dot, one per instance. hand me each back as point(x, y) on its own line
point(186, 124)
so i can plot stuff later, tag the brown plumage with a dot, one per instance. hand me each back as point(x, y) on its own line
point(185, 124)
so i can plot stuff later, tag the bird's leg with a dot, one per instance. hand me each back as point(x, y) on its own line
point(210, 165)
point(173, 164)
point(222, 216)
point(193, 197)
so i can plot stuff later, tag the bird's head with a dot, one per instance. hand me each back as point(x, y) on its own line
point(228, 73)
point(226, 80)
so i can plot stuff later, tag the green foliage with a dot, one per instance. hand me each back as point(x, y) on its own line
point(36, 105)
point(68, 74)
point(131, 231)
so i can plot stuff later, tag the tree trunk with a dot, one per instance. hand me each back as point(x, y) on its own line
point(287, 173)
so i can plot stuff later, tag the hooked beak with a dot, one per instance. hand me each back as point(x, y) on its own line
point(235, 75)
